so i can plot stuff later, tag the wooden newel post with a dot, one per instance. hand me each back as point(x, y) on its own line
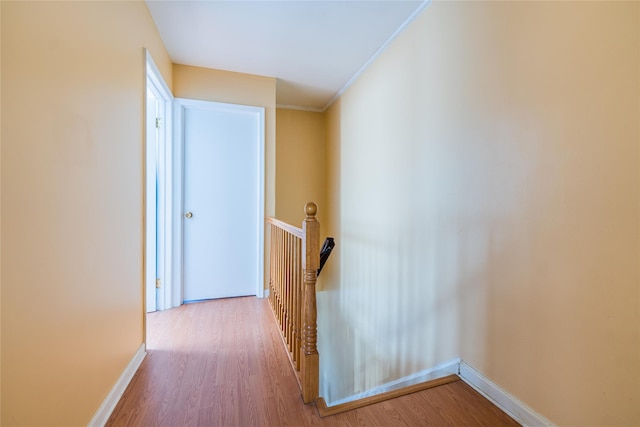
point(309, 366)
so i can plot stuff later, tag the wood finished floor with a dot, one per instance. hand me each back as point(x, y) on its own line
point(222, 363)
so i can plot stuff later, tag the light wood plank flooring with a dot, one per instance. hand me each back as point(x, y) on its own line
point(223, 363)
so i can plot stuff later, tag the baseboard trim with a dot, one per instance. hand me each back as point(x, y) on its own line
point(445, 373)
point(325, 411)
point(103, 413)
point(438, 375)
point(499, 397)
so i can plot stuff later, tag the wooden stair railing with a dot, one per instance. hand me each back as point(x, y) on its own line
point(293, 265)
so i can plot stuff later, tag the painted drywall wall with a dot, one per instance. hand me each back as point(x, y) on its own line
point(0, 217)
point(300, 160)
point(482, 182)
point(237, 88)
point(73, 85)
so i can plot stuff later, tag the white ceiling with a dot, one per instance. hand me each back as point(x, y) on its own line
point(313, 47)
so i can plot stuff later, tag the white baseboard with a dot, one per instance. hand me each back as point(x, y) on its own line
point(439, 371)
point(103, 413)
point(499, 397)
point(266, 293)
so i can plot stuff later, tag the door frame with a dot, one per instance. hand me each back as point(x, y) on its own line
point(163, 261)
point(181, 105)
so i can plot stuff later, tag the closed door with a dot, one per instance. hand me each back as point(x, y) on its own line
point(222, 200)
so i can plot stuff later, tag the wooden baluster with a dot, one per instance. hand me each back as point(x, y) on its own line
point(299, 300)
point(288, 291)
point(276, 260)
point(284, 284)
point(296, 302)
point(270, 227)
point(281, 293)
point(280, 279)
point(274, 236)
point(291, 299)
point(282, 290)
point(272, 274)
point(310, 263)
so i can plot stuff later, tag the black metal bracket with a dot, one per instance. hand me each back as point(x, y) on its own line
point(327, 247)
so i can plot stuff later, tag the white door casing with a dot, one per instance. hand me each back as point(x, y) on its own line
point(158, 190)
point(151, 201)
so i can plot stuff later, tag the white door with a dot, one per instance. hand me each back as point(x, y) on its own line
point(223, 202)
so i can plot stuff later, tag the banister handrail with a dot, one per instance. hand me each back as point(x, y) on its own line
point(293, 265)
point(296, 231)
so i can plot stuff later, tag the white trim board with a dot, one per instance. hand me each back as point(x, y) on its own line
point(499, 397)
point(299, 108)
point(440, 371)
point(103, 413)
point(490, 390)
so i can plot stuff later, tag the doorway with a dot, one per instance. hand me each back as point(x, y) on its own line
point(165, 221)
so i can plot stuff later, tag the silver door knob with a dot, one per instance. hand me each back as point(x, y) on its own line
point(188, 215)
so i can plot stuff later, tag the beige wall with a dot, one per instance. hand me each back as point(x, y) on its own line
point(0, 218)
point(482, 183)
point(300, 160)
point(72, 203)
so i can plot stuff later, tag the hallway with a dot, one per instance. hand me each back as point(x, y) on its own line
point(222, 363)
